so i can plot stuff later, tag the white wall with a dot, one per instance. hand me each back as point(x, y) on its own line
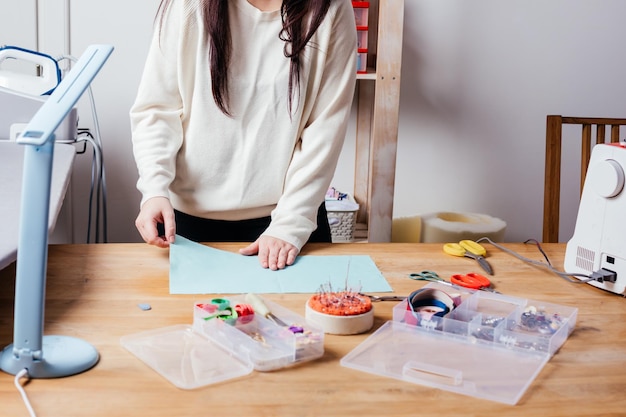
point(505, 66)
point(18, 25)
point(127, 25)
point(478, 80)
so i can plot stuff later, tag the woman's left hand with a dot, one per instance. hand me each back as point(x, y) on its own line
point(273, 253)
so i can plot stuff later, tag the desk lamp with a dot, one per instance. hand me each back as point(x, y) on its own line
point(45, 356)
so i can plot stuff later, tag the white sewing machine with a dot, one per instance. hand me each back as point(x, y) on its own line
point(598, 246)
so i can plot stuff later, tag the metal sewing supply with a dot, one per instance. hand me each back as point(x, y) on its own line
point(487, 329)
point(257, 337)
point(492, 321)
point(377, 298)
point(484, 333)
point(527, 345)
point(536, 320)
point(261, 308)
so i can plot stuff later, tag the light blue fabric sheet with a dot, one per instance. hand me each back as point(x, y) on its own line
point(200, 269)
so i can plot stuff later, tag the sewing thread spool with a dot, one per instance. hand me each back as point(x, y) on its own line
point(245, 313)
point(426, 303)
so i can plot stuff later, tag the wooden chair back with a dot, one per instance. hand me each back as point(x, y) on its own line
point(552, 184)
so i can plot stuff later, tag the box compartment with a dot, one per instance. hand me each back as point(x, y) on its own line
point(185, 358)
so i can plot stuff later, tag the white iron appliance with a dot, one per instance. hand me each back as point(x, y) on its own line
point(598, 246)
point(25, 88)
point(43, 83)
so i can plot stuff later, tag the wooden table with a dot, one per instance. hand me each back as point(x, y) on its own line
point(93, 292)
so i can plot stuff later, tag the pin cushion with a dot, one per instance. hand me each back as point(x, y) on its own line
point(342, 312)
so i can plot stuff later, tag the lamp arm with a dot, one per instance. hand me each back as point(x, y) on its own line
point(61, 356)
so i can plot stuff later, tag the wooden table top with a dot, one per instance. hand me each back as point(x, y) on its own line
point(93, 292)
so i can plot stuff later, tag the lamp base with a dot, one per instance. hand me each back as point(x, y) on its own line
point(62, 356)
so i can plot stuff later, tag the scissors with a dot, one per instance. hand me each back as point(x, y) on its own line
point(469, 249)
point(472, 280)
point(427, 276)
point(420, 276)
point(376, 298)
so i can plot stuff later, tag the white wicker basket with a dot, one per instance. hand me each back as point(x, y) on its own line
point(342, 220)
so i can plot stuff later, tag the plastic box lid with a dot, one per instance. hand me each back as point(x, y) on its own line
point(456, 364)
point(185, 358)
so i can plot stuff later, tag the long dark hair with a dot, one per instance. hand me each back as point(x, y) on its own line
point(301, 18)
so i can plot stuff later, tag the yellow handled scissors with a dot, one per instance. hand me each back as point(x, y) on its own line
point(469, 249)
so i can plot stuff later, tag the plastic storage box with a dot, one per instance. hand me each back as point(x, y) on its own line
point(490, 346)
point(361, 12)
point(213, 350)
point(261, 341)
point(361, 62)
point(361, 17)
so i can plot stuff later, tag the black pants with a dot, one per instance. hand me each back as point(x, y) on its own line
point(206, 230)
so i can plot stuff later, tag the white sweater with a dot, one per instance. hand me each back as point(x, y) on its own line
point(260, 162)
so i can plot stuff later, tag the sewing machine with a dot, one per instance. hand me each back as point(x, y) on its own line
point(598, 246)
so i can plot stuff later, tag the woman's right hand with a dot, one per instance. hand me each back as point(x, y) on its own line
point(154, 211)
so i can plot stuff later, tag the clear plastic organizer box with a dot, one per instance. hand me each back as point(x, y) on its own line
point(262, 342)
point(489, 346)
point(213, 350)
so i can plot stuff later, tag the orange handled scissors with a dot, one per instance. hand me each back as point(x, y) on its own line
point(472, 280)
point(469, 249)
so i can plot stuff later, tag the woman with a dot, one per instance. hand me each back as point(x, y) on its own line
point(239, 120)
